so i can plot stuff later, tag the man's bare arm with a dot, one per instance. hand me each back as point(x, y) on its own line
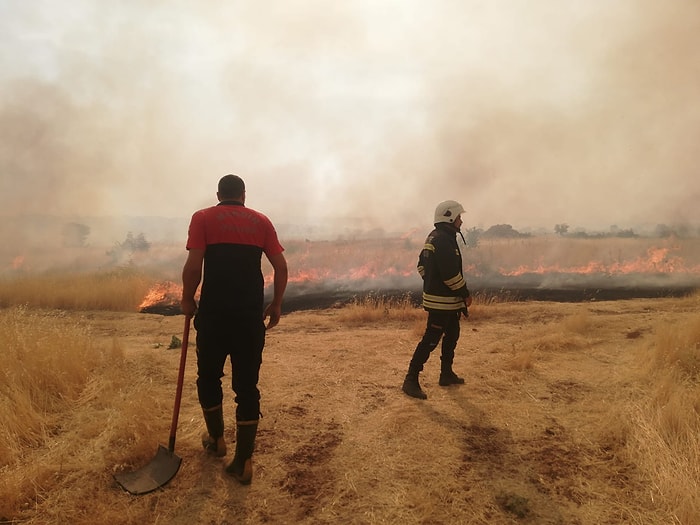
point(191, 277)
point(274, 309)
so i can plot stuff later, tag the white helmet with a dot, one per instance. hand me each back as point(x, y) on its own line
point(448, 211)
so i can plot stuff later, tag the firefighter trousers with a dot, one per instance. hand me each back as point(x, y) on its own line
point(441, 325)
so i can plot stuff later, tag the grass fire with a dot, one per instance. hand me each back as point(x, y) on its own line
point(577, 411)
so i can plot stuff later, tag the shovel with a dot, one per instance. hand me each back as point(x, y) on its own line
point(166, 463)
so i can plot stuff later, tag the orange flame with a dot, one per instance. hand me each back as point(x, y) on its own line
point(165, 292)
point(656, 261)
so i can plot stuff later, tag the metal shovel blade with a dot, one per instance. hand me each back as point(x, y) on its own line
point(157, 473)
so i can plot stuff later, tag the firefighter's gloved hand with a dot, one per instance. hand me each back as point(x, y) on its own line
point(467, 304)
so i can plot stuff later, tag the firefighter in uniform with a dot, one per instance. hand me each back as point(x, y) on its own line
point(445, 297)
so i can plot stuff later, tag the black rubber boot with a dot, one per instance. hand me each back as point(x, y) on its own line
point(411, 386)
point(448, 377)
point(213, 440)
point(241, 468)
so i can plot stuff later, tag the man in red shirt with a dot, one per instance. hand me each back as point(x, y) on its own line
point(227, 241)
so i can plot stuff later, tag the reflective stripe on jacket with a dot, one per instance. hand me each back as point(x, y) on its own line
point(440, 266)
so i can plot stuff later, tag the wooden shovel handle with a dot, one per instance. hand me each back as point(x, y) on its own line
point(180, 381)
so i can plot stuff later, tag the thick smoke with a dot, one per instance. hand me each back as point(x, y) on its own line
point(353, 115)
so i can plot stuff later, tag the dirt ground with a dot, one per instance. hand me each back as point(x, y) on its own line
point(528, 439)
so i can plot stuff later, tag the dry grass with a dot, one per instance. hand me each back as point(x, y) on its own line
point(572, 413)
point(667, 437)
point(578, 323)
point(120, 290)
point(70, 402)
point(378, 308)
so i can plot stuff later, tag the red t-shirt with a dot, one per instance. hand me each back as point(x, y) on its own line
point(234, 238)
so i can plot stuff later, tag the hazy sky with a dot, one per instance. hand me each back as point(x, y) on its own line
point(529, 112)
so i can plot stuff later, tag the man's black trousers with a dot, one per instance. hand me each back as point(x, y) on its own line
point(240, 338)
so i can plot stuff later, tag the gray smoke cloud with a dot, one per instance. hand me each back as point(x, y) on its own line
point(360, 113)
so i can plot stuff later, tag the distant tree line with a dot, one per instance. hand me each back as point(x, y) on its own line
point(75, 235)
point(661, 231)
point(563, 230)
point(133, 243)
point(683, 230)
point(473, 235)
point(497, 231)
point(129, 246)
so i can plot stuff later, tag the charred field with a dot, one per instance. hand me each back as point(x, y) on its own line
point(325, 274)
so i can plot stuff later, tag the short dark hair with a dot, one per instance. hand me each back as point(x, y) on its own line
point(231, 186)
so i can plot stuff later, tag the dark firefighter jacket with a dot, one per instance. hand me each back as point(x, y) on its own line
point(440, 266)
